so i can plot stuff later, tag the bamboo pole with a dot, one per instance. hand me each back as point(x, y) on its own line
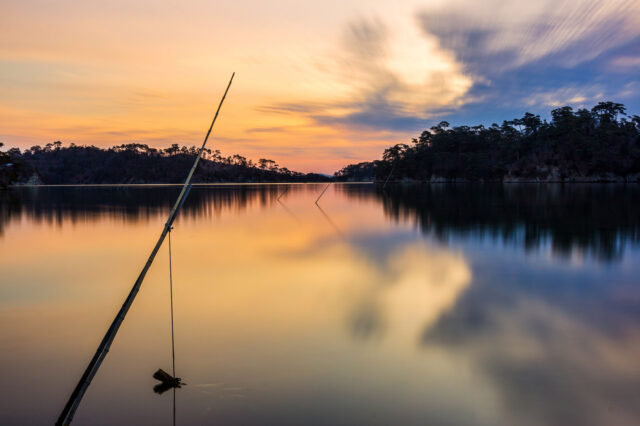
point(385, 182)
point(323, 191)
point(76, 396)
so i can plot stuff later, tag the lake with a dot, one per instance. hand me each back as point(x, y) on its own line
point(415, 304)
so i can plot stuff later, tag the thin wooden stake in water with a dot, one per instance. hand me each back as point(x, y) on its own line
point(283, 192)
point(323, 191)
point(76, 396)
point(385, 182)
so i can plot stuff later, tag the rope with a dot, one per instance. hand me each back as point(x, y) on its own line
point(173, 346)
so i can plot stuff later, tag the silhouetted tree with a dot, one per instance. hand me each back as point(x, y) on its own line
point(138, 163)
point(601, 143)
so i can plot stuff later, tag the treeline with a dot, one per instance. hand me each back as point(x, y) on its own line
point(137, 163)
point(601, 144)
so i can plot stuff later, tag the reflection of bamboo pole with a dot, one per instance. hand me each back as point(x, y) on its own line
point(76, 396)
point(289, 212)
point(283, 192)
point(331, 222)
point(323, 191)
point(385, 182)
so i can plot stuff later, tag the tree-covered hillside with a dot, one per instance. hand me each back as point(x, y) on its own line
point(601, 144)
point(137, 163)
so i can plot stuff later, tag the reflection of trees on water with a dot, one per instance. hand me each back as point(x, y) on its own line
point(595, 218)
point(131, 203)
point(557, 345)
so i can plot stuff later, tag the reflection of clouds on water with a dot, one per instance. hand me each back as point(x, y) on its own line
point(366, 319)
point(550, 366)
point(411, 288)
point(287, 321)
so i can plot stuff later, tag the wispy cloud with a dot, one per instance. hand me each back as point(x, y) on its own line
point(497, 35)
point(626, 63)
point(537, 55)
point(463, 56)
point(397, 77)
point(577, 96)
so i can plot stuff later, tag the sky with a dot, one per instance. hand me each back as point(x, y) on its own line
point(318, 85)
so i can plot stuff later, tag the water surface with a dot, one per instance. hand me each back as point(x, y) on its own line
point(440, 305)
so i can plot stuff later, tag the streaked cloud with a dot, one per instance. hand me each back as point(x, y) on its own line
point(538, 54)
point(624, 63)
point(396, 78)
point(500, 35)
point(578, 96)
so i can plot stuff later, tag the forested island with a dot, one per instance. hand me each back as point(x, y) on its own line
point(135, 163)
point(597, 145)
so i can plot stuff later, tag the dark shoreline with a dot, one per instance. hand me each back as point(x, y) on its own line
point(365, 182)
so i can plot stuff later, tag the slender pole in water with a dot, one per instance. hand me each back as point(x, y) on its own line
point(283, 192)
point(323, 191)
point(385, 182)
point(76, 396)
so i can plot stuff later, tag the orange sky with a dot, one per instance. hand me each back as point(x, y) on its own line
point(106, 73)
point(319, 84)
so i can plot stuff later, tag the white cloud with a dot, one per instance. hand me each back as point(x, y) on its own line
point(575, 96)
point(517, 33)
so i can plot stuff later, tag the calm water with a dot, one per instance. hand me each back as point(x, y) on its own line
point(439, 305)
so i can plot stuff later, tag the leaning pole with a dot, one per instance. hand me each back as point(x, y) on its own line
point(76, 396)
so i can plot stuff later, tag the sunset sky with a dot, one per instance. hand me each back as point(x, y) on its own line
point(318, 84)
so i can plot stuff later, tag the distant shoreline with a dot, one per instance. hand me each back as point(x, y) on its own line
point(106, 185)
point(398, 182)
point(587, 179)
point(134, 163)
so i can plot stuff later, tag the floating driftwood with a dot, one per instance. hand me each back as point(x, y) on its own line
point(167, 381)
